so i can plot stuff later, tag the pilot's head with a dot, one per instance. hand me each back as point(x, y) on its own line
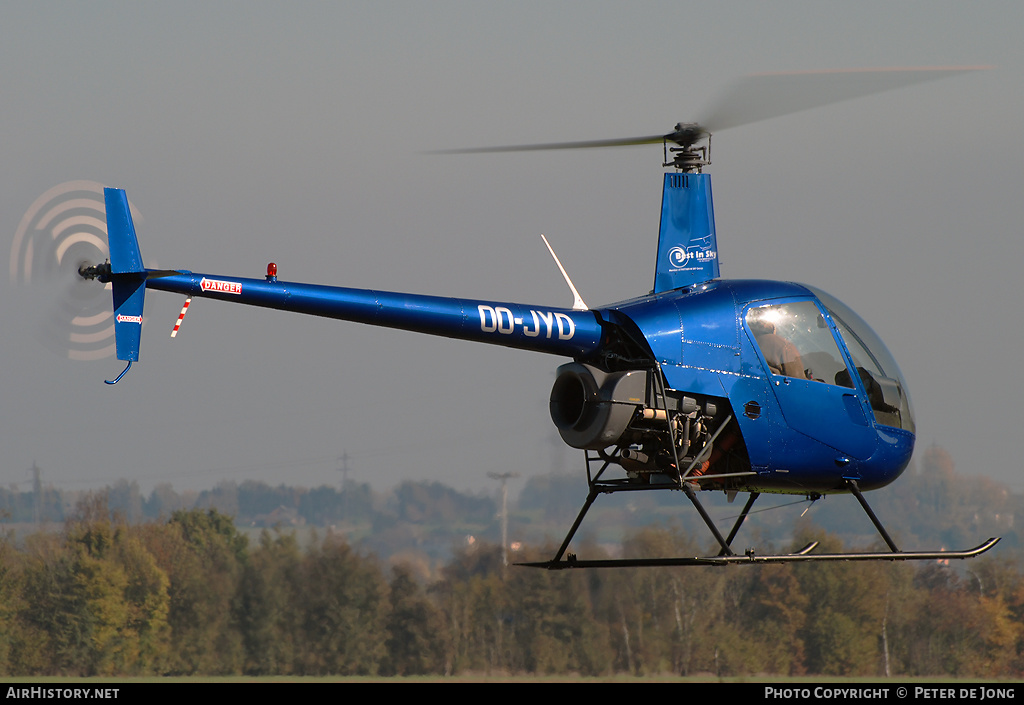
point(761, 326)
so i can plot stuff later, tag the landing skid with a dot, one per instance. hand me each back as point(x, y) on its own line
point(804, 555)
point(726, 556)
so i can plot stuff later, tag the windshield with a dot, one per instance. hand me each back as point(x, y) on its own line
point(796, 342)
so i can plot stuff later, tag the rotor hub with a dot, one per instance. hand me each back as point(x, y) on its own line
point(96, 271)
point(688, 156)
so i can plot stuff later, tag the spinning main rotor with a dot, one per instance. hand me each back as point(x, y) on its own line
point(753, 99)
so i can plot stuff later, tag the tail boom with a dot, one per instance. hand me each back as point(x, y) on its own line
point(550, 330)
point(558, 331)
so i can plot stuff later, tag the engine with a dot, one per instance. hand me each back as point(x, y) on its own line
point(595, 410)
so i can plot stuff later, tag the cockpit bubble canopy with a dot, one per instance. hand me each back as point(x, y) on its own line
point(886, 388)
point(797, 342)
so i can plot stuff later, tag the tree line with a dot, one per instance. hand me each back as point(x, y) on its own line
point(192, 595)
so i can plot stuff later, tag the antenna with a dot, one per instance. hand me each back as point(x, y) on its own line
point(577, 303)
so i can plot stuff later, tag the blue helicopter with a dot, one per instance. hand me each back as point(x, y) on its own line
point(742, 386)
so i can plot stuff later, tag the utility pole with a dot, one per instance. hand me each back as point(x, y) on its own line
point(504, 477)
point(344, 468)
point(37, 494)
point(344, 483)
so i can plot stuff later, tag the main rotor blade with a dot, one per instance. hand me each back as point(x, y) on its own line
point(625, 142)
point(762, 97)
point(769, 95)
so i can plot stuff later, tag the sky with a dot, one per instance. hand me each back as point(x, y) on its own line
point(250, 132)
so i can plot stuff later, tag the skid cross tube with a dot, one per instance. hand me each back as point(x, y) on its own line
point(597, 488)
point(692, 496)
point(855, 491)
point(739, 521)
point(576, 525)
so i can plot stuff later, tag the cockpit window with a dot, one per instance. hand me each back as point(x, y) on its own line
point(797, 342)
point(886, 388)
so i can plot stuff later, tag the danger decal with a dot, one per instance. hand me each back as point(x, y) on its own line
point(224, 287)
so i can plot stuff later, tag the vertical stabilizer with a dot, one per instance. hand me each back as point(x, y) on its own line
point(121, 239)
point(687, 248)
point(127, 275)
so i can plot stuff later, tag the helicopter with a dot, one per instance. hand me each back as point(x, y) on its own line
point(702, 384)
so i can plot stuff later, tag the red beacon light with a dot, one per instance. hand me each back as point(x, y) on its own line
point(271, 272)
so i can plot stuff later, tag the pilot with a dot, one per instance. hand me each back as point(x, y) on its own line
point(782, 356)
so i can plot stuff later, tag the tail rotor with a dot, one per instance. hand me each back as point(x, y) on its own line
point(62, 234)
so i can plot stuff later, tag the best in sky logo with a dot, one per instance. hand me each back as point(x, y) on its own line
point(694, 255)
